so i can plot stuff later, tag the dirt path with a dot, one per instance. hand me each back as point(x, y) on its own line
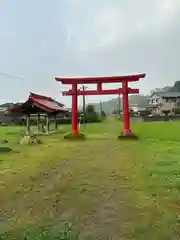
point(86, 190)
point(101, 187)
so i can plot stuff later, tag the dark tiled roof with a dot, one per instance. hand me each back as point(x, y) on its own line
point(168, 94)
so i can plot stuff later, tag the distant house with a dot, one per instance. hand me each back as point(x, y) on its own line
point(138, 111)
point(3, 116)
point(133, 107)
point(163, 102)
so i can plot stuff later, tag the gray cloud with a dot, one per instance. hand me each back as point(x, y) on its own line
point(128, 37)
point(90, 37)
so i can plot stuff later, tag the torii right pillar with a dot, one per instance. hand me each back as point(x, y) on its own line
point(126, 133)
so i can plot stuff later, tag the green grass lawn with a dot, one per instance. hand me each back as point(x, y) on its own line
point(104, 188)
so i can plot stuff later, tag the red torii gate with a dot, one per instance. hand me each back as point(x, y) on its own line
point(125, 90)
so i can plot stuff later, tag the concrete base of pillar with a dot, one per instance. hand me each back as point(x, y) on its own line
point(128, 136)
point(71, 136)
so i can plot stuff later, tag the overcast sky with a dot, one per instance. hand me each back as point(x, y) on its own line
point(41, 39)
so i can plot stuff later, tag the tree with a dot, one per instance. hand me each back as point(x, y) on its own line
point(103, 114)
point(90, 109)
point(117, 112)
point(91, 114)
point(114, 111)
point(176, 87)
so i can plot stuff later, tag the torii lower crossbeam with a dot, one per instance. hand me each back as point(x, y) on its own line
point(100, 92)
point(75, 92)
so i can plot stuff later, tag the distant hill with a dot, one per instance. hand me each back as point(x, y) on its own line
point(109, 106)
point(6, 105)
point(140, 100)
point(175, 88)
point(164, 89)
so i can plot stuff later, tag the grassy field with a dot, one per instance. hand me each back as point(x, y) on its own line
point(102, 187)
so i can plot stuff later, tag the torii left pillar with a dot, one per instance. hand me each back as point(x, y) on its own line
point(75, 130)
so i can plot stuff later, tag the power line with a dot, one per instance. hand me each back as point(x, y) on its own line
point(10, 76)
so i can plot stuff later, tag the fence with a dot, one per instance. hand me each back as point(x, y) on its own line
point(155, 119)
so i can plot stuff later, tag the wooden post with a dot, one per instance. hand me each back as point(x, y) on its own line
point(56, 123)
point(47, 123)
point(38, 122)
point(43, 125)
point(28, 123)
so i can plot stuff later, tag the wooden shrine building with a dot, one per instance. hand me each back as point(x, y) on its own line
point(41, 109)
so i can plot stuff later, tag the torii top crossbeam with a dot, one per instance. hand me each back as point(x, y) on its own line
point(93, 80)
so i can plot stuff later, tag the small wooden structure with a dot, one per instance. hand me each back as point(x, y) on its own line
point(41, 109)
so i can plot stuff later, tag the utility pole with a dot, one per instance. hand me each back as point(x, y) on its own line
point(84, 106)
point(101, 108)
point(119, 103)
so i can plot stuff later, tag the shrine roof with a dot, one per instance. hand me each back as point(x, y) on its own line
point(106, 79)
point(38, 103)
point(46, 102)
